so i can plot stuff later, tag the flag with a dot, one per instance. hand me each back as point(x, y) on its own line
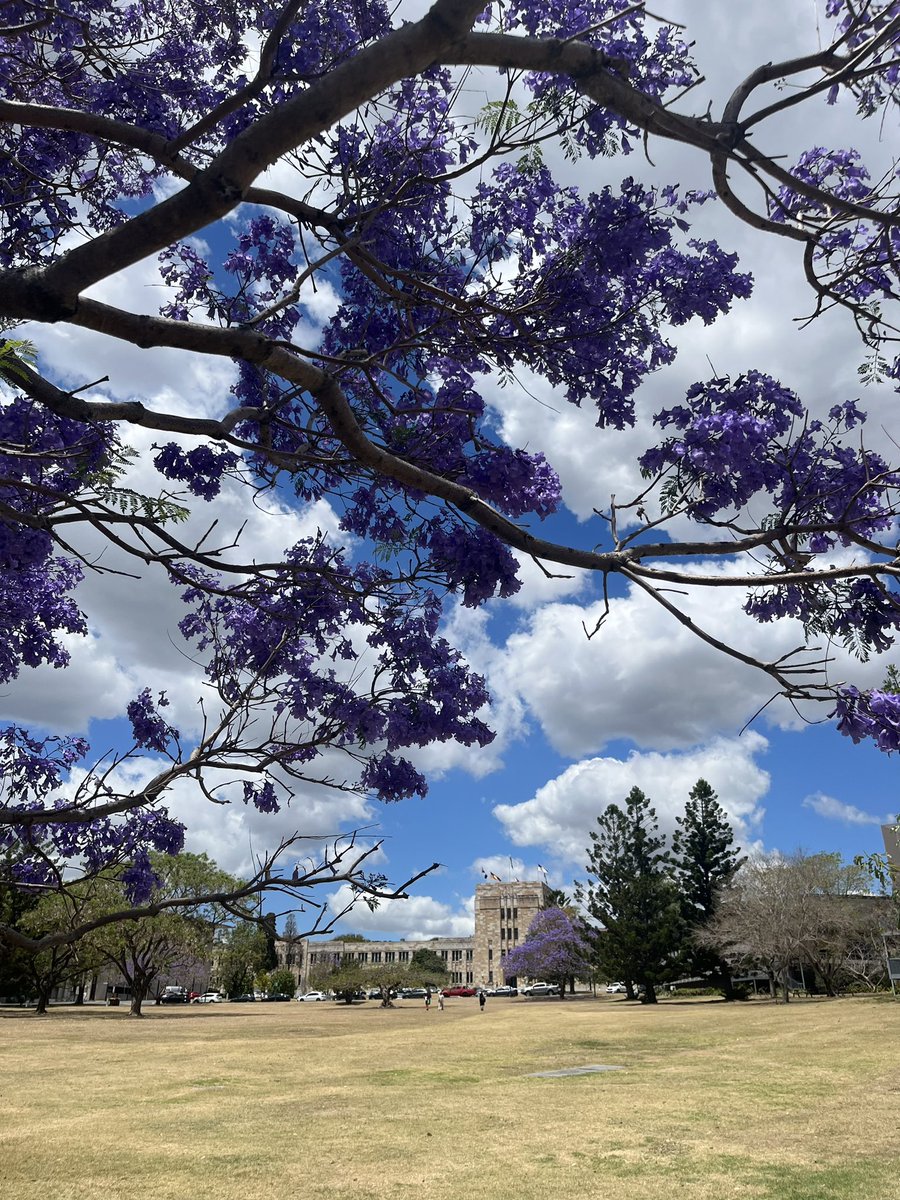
point(543, 870)
point(497, 877)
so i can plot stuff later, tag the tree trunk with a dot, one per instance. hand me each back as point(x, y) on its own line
point(40, 1009)
point(138, 996)
point(649, 996)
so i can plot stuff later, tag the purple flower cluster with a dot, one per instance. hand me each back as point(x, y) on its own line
point(873, 714)
point(46, 461)
point(149, 729)
point(201, 468)
point(880, 85)
point(33, 774)
point(263, 798)
point(316, 638)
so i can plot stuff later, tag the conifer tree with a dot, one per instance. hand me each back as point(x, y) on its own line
point(706, 860)
point(633, 897)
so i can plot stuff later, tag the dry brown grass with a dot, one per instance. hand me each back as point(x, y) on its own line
point(317, 1100)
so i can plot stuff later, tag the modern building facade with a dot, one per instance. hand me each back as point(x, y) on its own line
point(503, 912)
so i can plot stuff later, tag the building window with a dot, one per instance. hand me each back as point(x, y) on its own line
point(376, 956)
point(516, 934)
point(363, 956)
point(490, 976)
point(490, 953)
point(515, 914)
point(469, 956)
point(457, 955)
point(444, 955)
point(502, 933)
point(468, 976)
point(404, 955)
point(389, 956)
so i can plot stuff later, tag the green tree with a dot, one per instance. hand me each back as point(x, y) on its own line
point(175, 939)
point(630, 894)
point(282, 980)
point(345, 979)
point(706, 861)
point(16, 982)
point(68, 962)
point(241, 955)
point(429, 965)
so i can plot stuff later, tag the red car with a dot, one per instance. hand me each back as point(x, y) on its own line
point(458, 991)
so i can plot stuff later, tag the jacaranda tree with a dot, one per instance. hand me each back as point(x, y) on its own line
point(263, 154)
point(555, 948)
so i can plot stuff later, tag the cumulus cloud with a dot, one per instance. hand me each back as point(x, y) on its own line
point(236, 835)
point(417, 919)
point(837, 810)
point(648, 678)
point(561, 813)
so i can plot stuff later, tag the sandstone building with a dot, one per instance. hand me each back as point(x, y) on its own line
point(503, 912)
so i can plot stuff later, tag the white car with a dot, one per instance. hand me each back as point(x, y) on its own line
point(209, 998)
point(541, 989)
point(616, 987)
point(312, 996)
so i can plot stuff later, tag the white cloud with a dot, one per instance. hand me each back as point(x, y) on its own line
point(417, 919)
point(647, 677)
point(236, 836)
point(837, 810)
point(561, 813)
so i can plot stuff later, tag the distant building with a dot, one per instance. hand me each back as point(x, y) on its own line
point(503, 912)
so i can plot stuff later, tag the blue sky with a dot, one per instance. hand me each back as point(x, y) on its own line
point(578, 722)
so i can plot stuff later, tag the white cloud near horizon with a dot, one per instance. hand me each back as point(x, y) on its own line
point(562, 811)
point(838, 810)
point(416, 919)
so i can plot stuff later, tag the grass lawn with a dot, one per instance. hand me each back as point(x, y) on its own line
point(277, 1101)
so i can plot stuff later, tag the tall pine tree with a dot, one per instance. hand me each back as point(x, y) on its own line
point(706, 860)
point(632, 896)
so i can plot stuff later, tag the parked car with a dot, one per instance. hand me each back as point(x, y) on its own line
point(413, 993)
point(244, 998)
point(459, 991)
point(208, 998)
point(174, 995)
point(504, 990)
point(312, 996)
point(278, 996)
point(615, 987)
point(541, 989)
